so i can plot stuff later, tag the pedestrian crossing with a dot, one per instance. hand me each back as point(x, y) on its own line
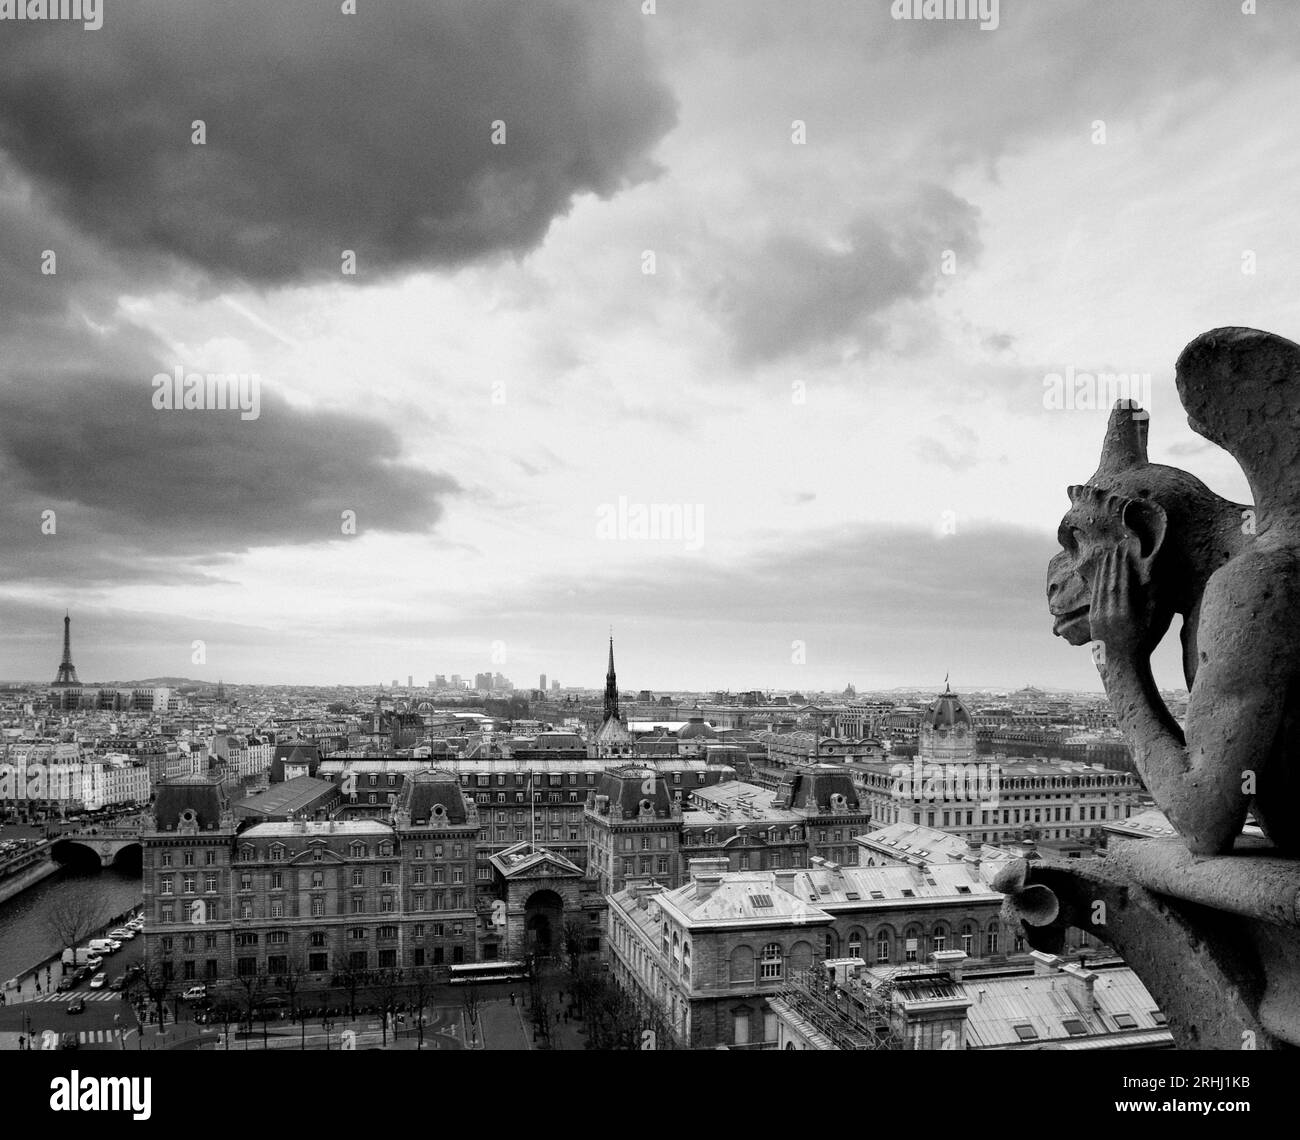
point(101, 995)
point(97, 1037)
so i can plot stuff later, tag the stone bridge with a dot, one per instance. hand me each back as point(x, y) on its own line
point(106, 842)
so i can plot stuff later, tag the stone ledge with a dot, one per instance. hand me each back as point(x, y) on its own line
point(1251, 882)
point(1216, 940)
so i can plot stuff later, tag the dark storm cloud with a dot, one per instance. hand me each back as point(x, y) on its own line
point(901, 578)
point(796, 292)
point(327, 131)
point(134, 488)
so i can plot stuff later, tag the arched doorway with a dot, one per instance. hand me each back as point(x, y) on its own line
point(544, 923)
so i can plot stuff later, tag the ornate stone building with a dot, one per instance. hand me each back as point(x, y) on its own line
point(321, 898)
point(711, 952)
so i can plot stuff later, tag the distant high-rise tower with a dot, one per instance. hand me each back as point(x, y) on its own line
point(67, 670)
point(541, 684)
point(410, 680)
point(221, 692)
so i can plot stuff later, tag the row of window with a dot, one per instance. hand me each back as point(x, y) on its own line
point(914, 945)
point(277, 965)
point(317, 938)
point(278, 852)
point(187, 858)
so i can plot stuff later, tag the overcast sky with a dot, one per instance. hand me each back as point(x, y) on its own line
point(857, 437)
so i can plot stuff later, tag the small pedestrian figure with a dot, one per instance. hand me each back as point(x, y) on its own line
point(512, 997)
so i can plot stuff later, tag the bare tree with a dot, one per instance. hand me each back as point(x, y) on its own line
point(76, 914)
point(253, 985)
point(157, 985)
point(291, 983)
point(420, 991)
point(390, 988)
point(350, 980)
point(470, 1000)
point(575, 942)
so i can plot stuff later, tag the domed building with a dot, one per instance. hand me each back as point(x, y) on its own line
point(695, 736)
point(947, 731)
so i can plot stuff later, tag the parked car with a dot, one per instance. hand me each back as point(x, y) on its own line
point(77, 1005)
point(195, 993)
point(94, 961)
point(122, 934)
point(97, 982)
point(67, 983)
point(82, 973)
point(118, 983)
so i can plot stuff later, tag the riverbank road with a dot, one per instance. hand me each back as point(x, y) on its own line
point(35, 985)
point(95, 1027)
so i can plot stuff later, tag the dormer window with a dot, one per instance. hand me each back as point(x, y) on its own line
point(247, 852)
point(277, 853)
point(385, 848)
point(357, 850)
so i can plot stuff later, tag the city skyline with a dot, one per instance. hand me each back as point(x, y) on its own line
point(853, 444)
point(67, 668)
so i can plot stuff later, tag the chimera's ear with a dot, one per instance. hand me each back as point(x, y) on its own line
point(1148, 521)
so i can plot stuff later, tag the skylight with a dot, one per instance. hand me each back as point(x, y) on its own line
point(1074, 1027)
point(760, 900)
point(1026, 1032)
point(1126, 1021)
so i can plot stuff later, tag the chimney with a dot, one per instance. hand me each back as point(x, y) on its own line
point(950, 961)
point(1079, 984)
point(1044, 963)
point(645, 892)
point(707, 874)
point(706, 883)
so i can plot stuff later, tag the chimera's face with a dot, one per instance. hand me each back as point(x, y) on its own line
point(1086, 534)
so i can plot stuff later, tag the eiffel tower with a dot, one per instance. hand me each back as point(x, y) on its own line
point(67, 670)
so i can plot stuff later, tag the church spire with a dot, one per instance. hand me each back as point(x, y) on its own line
point(611, 686)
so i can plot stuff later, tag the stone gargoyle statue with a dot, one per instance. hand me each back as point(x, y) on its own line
point(1142, 542)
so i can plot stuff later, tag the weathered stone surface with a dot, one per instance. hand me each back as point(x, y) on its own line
point(1142, 542)
point(1208, 975)
point(1211, 923)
